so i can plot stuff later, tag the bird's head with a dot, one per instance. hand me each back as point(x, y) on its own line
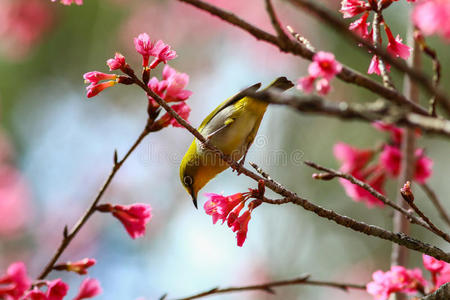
point(188, 171)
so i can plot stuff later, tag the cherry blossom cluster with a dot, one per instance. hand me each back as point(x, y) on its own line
point(171, 88)
point(353, 8)
point(321, 70)
point(400, 279)
point(228, 209)
point(433, 17)
point(16, 285)
point(358, 163)
point(69, 2)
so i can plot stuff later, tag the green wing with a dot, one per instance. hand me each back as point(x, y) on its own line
point(229, 102)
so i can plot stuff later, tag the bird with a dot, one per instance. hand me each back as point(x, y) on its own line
point(231, 128)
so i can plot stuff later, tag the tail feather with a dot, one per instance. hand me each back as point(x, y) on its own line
point(281, 83)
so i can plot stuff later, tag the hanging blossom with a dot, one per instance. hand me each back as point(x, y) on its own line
point(433, 17)
point(56, 290)
point(360, 164)
point(15, 282)
point(69, 2)
point(397, 279)
point(133, 217)
point(440, 271)
point(322, 69)
point(89, 288)
point(353, 8)
point(228, 209)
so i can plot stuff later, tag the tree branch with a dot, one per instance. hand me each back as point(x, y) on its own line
point(347, 74)
point(268, 287)
point(69, 236)
point(435, 200)
point(336, 23)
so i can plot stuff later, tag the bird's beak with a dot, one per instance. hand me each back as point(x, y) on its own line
point(194, 197)
point(194, 200)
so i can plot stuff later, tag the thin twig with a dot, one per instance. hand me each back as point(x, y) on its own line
point(435, 200)
point(268, 287)
point(275, 22)
point(376, 111)
point(409, 216)
point(377, 19)
point(337, 24)
point(69, 236)
point(301, 39)
point(347, 74)
point(291, 197)
point(408, 196)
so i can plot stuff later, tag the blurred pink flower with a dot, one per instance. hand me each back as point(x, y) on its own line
point(424, 166)
point(397, 279)
point(396, 133)
point(57, 289)
point(22, 24)
point(374, 66)
point(376, 180)
point(306, 84)
point(323, 86)
point(35, 294)
point(180, 108)
point(14, 200)
point(395, 46)
point(352, 158)
point(89, 288)
point(351, 8)
point(324, 65)
point(433, 17)
point(443, 276)
point(432, 264)
point(69, 2)
point(14, 284)
point(360, 26)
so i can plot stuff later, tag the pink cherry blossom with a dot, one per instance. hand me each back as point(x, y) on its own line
point(95, 76)
point(306, 84)
point(15, 282)
point(395, 46)
point(432, 264)
point(35, 294)
point(323, 86)
point(69, 2)
point(144, 46)
point(57, 289)
point(358, 194)
point(397, 279)
point(89, 288)
point(352, 158)
point(443, 276)
point(360, 26)
point(433, 17)
point(390, 159)
point(79, 267)
point(219, 206)
point(172, 87)
point(424, 166)
point(162, 53)
point(95, 89)
point(325, 65)
point(180, 108)
point(240, 226)
point(133, 217)
point(351, 8)
point(116, 63)
point(374, 66)
point(396, 133)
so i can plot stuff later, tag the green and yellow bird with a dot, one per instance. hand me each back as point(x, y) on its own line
point(231, 127)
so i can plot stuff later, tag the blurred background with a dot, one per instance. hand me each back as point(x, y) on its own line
point(56, 149)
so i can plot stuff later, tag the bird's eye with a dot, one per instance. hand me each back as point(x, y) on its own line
point(188, 181)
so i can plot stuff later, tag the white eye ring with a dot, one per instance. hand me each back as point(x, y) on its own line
point(188, 180)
